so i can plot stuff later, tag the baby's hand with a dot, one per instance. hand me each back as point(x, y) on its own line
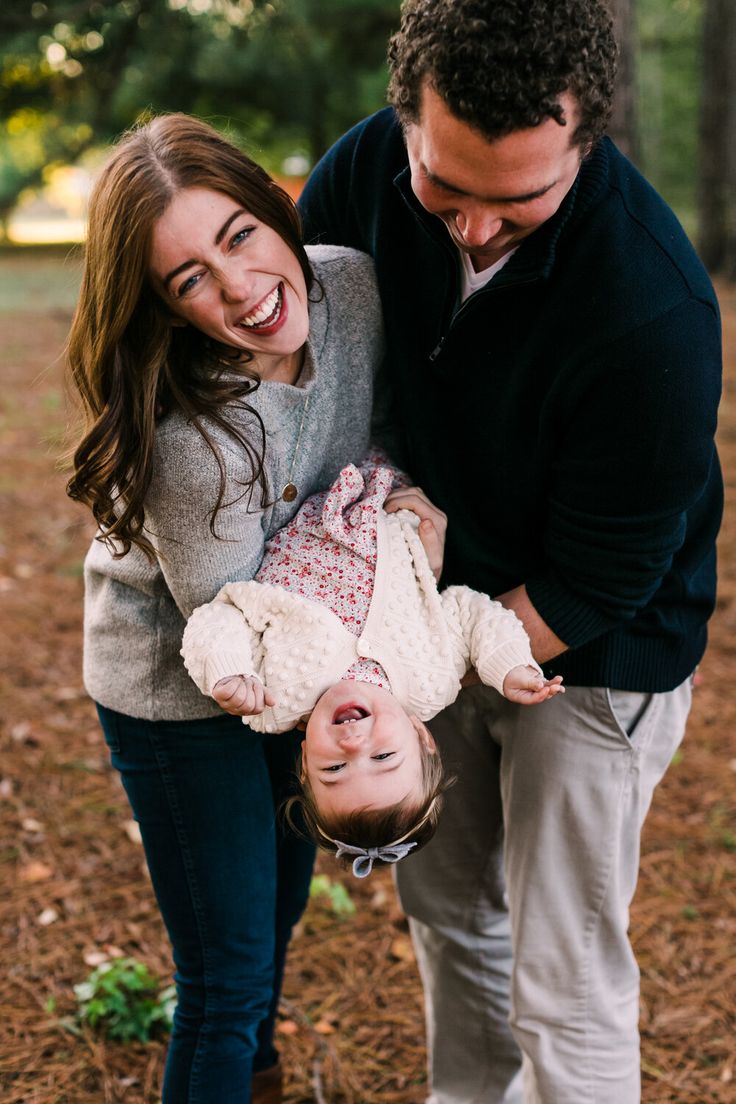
point(242, 695)
point(525, 686)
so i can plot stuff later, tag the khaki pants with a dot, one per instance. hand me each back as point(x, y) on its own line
point(537, 850)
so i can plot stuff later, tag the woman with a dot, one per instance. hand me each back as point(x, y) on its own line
point(226, 374)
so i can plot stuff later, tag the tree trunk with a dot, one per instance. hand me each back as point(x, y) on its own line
point(623, 127)
point(717, 177)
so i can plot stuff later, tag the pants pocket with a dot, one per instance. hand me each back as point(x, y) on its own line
point(630, 710)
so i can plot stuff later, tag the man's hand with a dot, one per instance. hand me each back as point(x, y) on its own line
point(525, 686)
point(432, 522)
point(242, 695)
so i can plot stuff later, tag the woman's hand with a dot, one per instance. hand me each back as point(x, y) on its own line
point(242, 695)
point(432, 522)
point(525, 686)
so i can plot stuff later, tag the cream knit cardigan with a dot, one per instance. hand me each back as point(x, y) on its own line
point(424, 640)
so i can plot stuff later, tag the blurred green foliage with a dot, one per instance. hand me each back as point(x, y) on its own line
point(284, 77)
point(668, 92)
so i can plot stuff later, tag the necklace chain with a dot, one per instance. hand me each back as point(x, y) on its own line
point(290, 490)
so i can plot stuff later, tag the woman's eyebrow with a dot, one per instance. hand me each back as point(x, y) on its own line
point(218, 238)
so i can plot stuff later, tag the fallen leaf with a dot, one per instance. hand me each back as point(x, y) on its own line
point(69, 693)
point(379, 899)
point(6, 788)
point(30, 824)
point(287, 1027)
point(48, 916)
point(95, 958)
point(324, 1027)
point(35, 872)
point(132, 830)
point(402, 949)
point(113, 951)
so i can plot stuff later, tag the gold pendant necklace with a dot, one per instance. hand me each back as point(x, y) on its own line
point(290, 490)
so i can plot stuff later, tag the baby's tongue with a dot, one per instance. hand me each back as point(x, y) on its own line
point(349, 713)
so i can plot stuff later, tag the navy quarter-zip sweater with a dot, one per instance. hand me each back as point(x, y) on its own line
point(563, 417)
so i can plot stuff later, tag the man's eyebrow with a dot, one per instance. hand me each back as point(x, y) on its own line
point(526, 198)
point(218, 238)
point(338, 780)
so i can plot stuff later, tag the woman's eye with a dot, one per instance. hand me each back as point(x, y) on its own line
point(187, 286)
point(241, 235)
point(383, 755)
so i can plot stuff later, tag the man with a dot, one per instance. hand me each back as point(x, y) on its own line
point(554, 349)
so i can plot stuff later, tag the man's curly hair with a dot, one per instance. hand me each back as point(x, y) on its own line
point(501, 65)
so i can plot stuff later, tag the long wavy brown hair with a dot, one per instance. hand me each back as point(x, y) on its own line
point(130, 366)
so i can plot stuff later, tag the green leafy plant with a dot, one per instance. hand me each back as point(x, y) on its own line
point(123, 1000)
point(335, 892)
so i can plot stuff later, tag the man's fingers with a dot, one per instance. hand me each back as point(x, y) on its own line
point(434, 546)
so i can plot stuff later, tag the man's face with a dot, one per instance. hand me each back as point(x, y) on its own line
point(490, 194)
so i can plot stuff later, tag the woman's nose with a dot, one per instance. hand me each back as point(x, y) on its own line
point(236, 286)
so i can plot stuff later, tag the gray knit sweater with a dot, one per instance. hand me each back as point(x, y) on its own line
point(135, 611)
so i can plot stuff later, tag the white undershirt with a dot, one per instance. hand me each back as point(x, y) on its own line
point(472, 280)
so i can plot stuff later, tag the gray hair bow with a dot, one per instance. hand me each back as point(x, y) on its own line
point(366, 856)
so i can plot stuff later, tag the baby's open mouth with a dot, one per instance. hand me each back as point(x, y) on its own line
point(348, 714)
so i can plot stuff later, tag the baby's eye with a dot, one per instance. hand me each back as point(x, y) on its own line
point(334, 767)
point(383, 755)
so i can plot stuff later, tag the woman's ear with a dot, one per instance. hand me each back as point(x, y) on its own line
point(425, 736)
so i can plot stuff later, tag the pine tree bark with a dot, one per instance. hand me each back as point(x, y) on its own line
point(717, 167)
point(623, 127)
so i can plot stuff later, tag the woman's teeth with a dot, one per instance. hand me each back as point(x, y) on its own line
point(270, 306)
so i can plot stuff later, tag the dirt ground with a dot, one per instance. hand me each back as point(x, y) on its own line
point(73, 876)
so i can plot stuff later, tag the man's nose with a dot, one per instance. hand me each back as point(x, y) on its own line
point(477, 225)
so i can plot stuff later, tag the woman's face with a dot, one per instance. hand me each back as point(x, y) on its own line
point(220, 269)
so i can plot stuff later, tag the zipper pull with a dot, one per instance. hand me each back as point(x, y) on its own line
point(436, 352)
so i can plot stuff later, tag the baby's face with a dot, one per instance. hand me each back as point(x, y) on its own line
point(362, 750)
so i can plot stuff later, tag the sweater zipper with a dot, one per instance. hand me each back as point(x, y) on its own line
point(433, 356)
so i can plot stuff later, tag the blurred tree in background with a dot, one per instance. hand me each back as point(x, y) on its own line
point(717, 182)
point(286, 77)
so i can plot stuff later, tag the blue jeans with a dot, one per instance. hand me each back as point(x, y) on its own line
point(231, 882)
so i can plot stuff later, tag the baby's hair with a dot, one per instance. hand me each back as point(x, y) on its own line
point(370, 827)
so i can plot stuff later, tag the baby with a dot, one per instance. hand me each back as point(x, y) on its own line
point(343, 630)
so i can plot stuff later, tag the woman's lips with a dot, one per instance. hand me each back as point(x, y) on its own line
point(274, 321)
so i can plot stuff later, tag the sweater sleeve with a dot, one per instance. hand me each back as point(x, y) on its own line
point(183, 492)
point(634, 460)
point(492, 637)
point(219, 641)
